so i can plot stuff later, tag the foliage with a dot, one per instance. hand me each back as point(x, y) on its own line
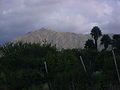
point(22, 66)
point(116, 41)
point(96, 33)
point(89, 44)
point(106, 41)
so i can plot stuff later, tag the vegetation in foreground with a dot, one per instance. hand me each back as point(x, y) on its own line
point(26, 66)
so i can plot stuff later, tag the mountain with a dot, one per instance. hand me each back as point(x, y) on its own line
point(60, 39)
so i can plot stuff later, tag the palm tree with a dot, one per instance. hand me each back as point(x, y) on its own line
point(96, 33)
point(106, 41)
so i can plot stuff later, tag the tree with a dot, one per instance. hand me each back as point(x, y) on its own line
point(116, 41)
point(89, 44)
point(96, 33)
point(23, 62)
point(106, 41)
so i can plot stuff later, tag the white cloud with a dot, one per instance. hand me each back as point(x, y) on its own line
point(61, 15)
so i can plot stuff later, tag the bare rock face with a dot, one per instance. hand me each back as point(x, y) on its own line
point(60, 39)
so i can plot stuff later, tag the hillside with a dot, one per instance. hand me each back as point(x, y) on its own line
point(60, 39)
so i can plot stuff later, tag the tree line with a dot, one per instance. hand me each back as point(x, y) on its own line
point(33, 66)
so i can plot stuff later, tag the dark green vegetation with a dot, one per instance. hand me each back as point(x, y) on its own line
point(22, 66)
point(96, 33)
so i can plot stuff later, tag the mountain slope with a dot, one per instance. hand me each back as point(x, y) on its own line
point(60, 39)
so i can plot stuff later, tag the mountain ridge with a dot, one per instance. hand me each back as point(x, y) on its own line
point(66, 40)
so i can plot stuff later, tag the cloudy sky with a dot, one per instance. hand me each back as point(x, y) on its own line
point(21, 16)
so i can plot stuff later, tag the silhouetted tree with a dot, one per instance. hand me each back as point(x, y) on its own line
point(106, 41)
point(96, 33)
point(116, 41)
point(89, 44)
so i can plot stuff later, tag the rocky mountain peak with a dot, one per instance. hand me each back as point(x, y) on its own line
point(60, 39)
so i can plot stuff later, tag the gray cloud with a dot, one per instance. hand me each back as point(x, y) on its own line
point(20, 16)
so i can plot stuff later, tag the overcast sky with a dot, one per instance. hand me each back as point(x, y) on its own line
point(21, 16)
